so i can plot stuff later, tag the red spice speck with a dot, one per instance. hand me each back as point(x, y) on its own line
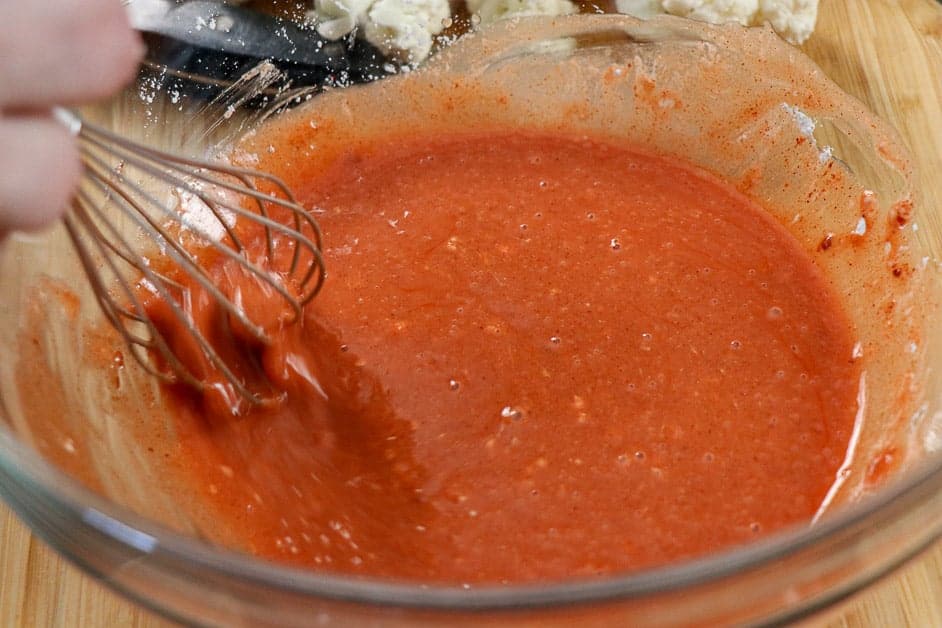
point(903, 211)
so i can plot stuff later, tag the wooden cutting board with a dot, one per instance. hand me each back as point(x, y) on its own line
point(888, 53)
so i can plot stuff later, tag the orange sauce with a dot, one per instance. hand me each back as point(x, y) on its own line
point(535, 357)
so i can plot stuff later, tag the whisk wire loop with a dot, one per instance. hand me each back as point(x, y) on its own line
point(193, 178)
point(178, 252)
point(114, 312)
point(234, 203)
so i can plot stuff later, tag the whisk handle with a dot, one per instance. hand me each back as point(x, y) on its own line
point(68, 119)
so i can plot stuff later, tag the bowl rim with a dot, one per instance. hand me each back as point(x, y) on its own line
point(142, 534)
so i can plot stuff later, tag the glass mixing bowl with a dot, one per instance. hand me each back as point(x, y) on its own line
point(741, 104)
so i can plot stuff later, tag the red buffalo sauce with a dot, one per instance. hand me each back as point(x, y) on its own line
point(535, 357)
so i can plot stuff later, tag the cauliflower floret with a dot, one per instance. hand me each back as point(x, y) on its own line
point(493, 10)
point(715, 11)
point(404, 28)
point(336, 18)
point(400, 29)
point(792, 19)
point(643, 9)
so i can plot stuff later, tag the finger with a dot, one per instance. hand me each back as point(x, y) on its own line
point(39, 169)
point(64, 51)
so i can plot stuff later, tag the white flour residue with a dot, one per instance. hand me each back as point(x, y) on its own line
point(806, 126)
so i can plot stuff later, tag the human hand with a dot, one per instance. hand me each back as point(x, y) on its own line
point(53, 52)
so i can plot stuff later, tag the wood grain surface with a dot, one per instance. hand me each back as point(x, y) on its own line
point(888, 53)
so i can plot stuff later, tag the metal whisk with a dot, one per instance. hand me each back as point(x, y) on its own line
point(116, 217)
